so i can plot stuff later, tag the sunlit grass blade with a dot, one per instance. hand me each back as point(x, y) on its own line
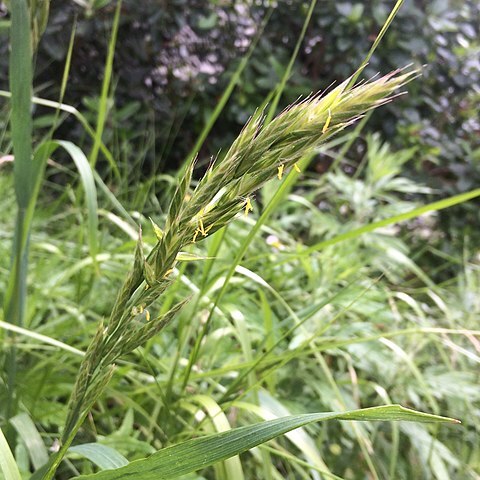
point(232, 466)
point(87, 179)
point(81, 119)
point(86, 176)
point(40, 338)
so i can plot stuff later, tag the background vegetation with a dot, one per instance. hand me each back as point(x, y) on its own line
point(331, 304)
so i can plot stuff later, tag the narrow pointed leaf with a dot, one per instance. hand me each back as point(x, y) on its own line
point(33, 441)
point(8, 465)
point(192, 455)
point(101, 455)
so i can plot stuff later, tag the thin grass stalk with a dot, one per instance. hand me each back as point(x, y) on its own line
point(416, 212)
point(278, 195)
point(286, 75)
point(377, 41)
point(107, 77)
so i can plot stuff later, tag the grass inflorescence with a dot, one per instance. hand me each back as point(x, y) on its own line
point(259, 154)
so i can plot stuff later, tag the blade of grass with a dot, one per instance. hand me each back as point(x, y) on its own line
point(41, 338)
point(86, 175)
point(199, 453)
point(7, 461)
point(103, 456)
point(363, 122)
point(416, 212)
point(107, 77)
point(233, 466)
point(81, 119)
point(21, 87)
point(20, 73)
point(31, 438)
point(377, 41)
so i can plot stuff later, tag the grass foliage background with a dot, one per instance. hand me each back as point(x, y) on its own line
point(293, 308)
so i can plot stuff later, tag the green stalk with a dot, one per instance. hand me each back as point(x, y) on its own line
point(21, 126)
point(286, 75)
point(376, 43)
point(416, 212)
point(107, 77)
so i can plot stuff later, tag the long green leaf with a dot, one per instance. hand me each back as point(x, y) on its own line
point(21, 87)
point(7, 463)
point(33, 441)
point(101, 455)
point(86, 175)
point(20, 75)
point(87, 179)
point(416, 212)
point(192, 455)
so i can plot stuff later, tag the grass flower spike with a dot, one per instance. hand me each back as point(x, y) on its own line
point(260, 153)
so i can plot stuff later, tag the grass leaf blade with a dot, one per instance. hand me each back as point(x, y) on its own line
point(33, 441)
point(7, 461)
point(199, 453)
point(106, 458)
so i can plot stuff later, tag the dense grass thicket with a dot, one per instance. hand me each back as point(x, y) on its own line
point(247, 317)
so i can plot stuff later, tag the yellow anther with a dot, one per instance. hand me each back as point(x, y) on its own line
point(327, 123)
point(200, 227)
point(296, 168)
point(168, 272)
point(248, 207)
point(280, 171)
point(147, 315)
point(137, 310)
point(195, 235)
